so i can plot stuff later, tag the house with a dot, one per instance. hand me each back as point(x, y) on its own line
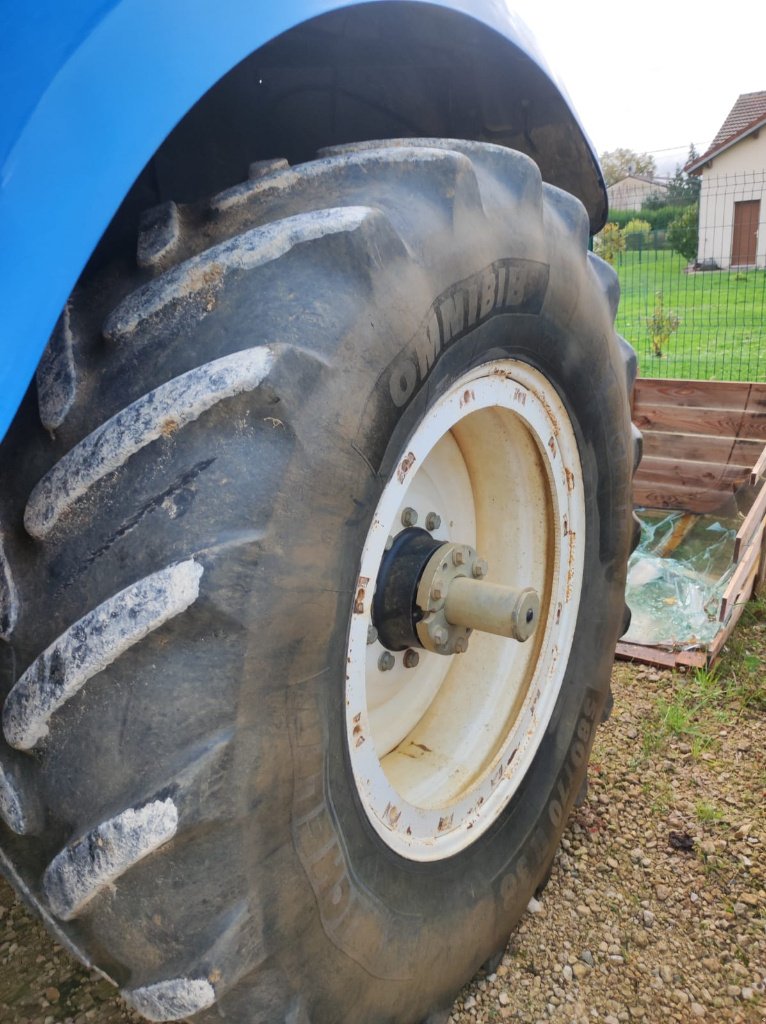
point(732, 220)
point(631, 193)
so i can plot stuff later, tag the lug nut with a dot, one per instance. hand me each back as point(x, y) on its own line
point(458, 556)
point(372, 634)
point(409, 517)
point(411, 658)
point(433, 521)
point(480, 569)
point(437, 592)
point(386, 661)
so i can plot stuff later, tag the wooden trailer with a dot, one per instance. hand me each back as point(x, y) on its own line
point(705, 451)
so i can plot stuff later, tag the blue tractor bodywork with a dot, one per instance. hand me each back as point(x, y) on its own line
point(104, 99)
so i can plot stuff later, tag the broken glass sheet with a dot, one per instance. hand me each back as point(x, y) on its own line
point(677, 576)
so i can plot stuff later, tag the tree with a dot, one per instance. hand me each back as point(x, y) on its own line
point(655, 201)
point(683, 189)
point(619, 163)
point(683, 232)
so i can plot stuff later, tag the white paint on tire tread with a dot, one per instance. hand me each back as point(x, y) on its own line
point(205, 273)
point(174, 999)
point(322, 173)
point(260, 168)
point(9, 600)
point(158, 235)
point(161, 412)
point(95, 861)
point(11, 803)
point(92, 644)
point(56, 377)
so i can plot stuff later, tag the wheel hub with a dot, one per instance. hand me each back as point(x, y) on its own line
point(395, 611)
point(433, 595)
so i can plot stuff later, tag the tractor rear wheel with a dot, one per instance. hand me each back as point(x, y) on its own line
point(254, 766)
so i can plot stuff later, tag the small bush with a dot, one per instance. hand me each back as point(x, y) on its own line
point(638, 227)
point(638, 234)
point(661, 325)
point(609, 243)
point(683, 232)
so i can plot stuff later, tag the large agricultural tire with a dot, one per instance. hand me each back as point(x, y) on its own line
point(190, 779)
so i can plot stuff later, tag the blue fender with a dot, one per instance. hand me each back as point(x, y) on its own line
point(90, 91)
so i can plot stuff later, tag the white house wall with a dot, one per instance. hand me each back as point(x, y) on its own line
point(632, 193)
point(736, 175)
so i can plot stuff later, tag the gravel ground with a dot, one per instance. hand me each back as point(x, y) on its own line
point(656, 907)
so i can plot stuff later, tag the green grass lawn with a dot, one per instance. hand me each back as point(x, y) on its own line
point(722, 329)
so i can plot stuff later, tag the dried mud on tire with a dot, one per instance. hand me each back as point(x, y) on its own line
point(672, 935)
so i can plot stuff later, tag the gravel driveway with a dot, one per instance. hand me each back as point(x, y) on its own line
point(656, 907)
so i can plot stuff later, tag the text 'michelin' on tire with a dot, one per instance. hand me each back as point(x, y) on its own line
point(310, 587)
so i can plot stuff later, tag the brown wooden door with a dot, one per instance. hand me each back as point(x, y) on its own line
point(745, 239)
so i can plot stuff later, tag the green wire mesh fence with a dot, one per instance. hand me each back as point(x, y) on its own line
point(692, 276)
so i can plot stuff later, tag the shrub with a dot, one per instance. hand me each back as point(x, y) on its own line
point(637, 234)
point(683, 232)
point(659, 218)
point(609, 242)
point(661, 324)
point(662, 216)
point(638, 227)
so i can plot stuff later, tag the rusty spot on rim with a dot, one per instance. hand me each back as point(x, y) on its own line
point(549, 413)
point(393, 814)
point(360, 592)
point(571, 569)
point(406, 465)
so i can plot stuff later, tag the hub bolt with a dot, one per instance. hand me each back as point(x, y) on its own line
point(409, 517)
point(386, 661)
point(439, 635)
point(411, 658)
point(480, 569)
point(433, 521)
point(372, 634)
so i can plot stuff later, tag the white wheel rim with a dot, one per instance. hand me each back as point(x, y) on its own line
point(438, 750)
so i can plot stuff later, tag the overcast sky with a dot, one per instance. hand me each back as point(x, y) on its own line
point(652, 76)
